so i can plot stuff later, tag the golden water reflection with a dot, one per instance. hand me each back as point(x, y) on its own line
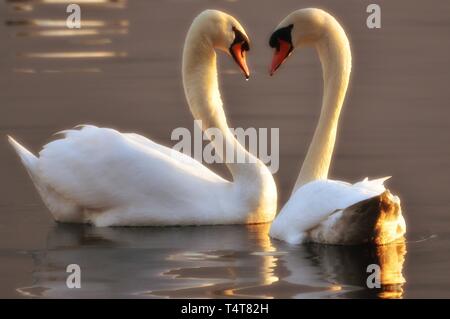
point(99, 34)
point(28, 4)
point(74, 55)
point(103, 3)
point(69, 33)
point(57, 23)
point(67, 70)
point(209, 262)
point(391, 259)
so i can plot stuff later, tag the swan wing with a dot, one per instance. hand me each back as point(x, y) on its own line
point(315, 202)
point(101, 168)
point(183, 159)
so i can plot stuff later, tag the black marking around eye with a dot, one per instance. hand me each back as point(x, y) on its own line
point(281, 34)
point(239, 37)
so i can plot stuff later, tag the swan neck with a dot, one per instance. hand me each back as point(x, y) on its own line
point(335, 56)
point(200, 80)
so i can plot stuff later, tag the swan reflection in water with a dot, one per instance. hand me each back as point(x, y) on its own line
point(210, 262)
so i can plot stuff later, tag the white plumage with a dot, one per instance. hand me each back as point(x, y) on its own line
point(335, 212)
point(102, 176)
point(107, 178)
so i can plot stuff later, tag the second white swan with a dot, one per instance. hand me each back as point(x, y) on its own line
point(322, 210)
point(107, 178)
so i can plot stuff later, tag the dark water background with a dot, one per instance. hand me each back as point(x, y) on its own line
point(123, 71)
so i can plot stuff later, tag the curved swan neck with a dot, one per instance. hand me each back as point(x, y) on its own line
point(335, 56)
point(201, 87)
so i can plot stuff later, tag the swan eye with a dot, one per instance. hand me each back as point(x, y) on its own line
point(239, 37)
point(283, 34)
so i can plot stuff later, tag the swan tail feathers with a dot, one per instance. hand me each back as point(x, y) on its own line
point(375, 186)
point(381, 180)
point(29, 160)
point(61, 208)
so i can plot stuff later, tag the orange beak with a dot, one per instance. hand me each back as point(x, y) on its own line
point(239, 56)
point(280, 55)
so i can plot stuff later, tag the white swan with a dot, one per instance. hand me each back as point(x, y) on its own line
point(107, 178)
point(322, 210)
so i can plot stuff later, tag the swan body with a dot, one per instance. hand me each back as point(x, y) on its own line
point(322, 210)
point(107, 178)
point(336, 212)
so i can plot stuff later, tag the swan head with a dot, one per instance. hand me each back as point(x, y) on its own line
point(303, 27)
point(225, 33)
